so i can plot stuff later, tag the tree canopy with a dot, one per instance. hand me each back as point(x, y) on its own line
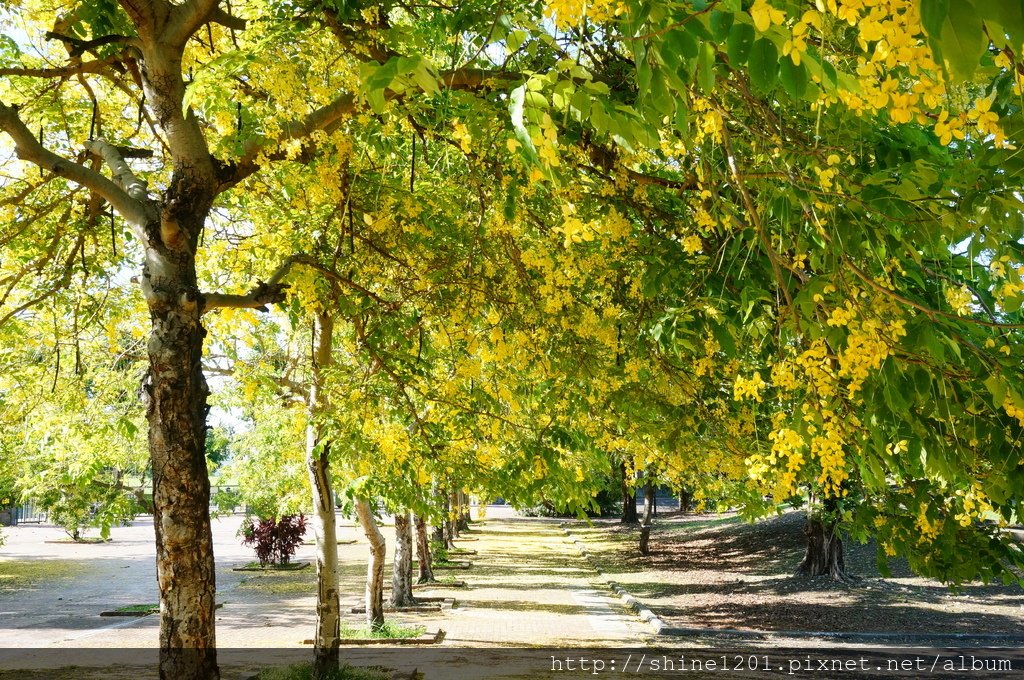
point(770, 250)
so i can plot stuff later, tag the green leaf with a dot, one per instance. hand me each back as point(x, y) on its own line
point(580, 101)
point(997, 388)
point(1009, 14)
point(425, 78)
point(516, 102)
point(763, 65)
point(933, 15)
point(741, 40)
point(721, 23)
point(794, 78)
point(679, 52)
point(515, 40)
point(963, 40)
point(376, 100)
point(706, 67)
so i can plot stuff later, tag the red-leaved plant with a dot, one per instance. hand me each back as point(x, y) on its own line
point(275, 541)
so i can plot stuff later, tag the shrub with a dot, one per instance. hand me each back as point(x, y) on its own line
point(439, 552)
point(275, 541)
point(225, 500)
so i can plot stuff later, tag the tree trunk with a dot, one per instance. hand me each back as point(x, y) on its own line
point(423, 551)
point(176, 393)
point(629, 515)
point(645, 526)
point(461, 512)
point(328, 606)
point(450, 530)
point(685, 499)
point(453, 515)
point(375, 567)
point(824, 554)
point(401, 580)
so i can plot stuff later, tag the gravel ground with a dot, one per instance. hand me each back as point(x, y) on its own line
point(720, 572)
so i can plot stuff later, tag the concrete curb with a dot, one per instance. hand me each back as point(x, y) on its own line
point(661, 628)
point(644, 613)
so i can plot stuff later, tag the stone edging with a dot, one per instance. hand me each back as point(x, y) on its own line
point(645, 614)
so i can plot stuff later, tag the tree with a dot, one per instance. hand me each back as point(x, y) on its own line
point(138, 55)
point(805, 194)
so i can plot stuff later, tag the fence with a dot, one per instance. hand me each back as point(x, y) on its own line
point(26, 513)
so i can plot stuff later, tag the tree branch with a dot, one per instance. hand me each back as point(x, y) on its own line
point(928, 311)
point(334, 275)
point(755, 218)
point(186, 19)
point(77, 47)
point(265, 293)
point(28, 148)
point(298, 390)
point(123, 175)
point(329, 117)
point(95, 66)
point(219, 16)
point(258, 298)
point(147, 15)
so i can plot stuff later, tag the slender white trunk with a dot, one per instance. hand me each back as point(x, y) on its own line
point(328, 607)
point(401, 581)
point(423, 551)
point(375, 567)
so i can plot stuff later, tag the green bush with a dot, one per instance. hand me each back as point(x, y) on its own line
point(438, 552)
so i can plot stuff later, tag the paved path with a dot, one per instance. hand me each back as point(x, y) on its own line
point(528, 586)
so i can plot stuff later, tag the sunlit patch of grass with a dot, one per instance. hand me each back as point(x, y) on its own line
point(288, 566)
point(18, 575)
point(138, 608)
point(388, 630)
point(305, 672)
point(281, 582)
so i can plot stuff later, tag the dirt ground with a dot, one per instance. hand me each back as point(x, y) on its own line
point(718, 571)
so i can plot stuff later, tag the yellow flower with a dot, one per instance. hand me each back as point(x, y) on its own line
point(748, 387)
point(765, 15)
point(949, 128)
point(692, 244)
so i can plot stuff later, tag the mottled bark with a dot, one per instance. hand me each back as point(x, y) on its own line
point(465, 515)
point(461, 512)
point(401, 579)
point(648, 519)
point(181, 490)
point(629, 515)
point(453, 515)
point(328, 608)
point(824, 552)
point(375, 566)
point(685, 499)
point(426, 562)
point(447, 526)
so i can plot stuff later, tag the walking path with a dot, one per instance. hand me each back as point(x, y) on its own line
point(528, 587)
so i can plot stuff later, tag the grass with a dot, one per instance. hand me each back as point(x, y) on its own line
point(305, 672)
point(28, 574)
point(132, 608)
point(287, 566)
point(281, 582)
point(388, 630)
